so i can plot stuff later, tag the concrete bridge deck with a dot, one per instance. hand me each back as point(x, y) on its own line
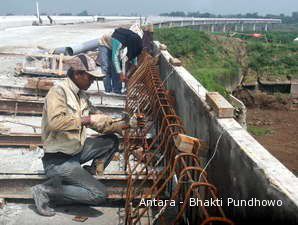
point(241, 169)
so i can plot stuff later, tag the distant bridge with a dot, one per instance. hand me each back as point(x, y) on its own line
point(219, 24)
point(210, 24)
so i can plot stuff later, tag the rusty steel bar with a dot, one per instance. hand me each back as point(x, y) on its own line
point(28, 106)
point(24, 140)
point(160, 159)
point(29, 91)
point(21, 106)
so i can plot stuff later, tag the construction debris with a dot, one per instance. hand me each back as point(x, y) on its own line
point(48, 63)
point(43, 65)
point(80, 218)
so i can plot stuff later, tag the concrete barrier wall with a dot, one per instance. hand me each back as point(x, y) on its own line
point(242, 169)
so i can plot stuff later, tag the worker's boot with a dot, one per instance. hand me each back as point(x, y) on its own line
point(43, 193)
point(41, 199)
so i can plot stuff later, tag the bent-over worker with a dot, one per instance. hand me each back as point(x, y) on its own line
point(109, 56)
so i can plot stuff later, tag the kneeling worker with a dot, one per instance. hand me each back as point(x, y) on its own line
point(66, 115)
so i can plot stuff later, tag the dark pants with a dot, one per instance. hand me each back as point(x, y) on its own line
point(70, 183)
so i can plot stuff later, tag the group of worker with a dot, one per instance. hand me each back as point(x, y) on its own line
point(112, 62)
point(68, 112)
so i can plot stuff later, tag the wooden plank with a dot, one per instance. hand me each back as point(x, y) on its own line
point(39, 84)
point(185, 143)
point(189, 144)
point(60, 71)
point(219, 105)
point(37, 72)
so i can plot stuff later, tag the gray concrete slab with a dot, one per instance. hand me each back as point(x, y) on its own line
point(21, 161)
point(25, 214)
point(24, 161)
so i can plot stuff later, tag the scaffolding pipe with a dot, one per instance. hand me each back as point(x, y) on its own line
point(78, 48)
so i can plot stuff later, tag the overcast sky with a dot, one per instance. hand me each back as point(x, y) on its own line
point(149, 7)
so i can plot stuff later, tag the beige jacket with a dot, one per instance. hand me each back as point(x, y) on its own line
point(64, 106)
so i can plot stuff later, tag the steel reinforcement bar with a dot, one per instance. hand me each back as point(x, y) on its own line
point(177, 176)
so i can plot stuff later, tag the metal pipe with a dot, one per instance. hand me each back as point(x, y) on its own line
point(78, 48)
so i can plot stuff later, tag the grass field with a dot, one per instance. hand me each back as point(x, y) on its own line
point(205, 58)
point(214, 59)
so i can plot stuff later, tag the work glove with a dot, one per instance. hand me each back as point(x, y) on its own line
point(133, 122)
point(116, 126)
point(100, 121)
point(123, 77)
point(131, 70)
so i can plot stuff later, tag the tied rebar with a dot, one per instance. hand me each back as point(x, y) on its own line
point(151, 153)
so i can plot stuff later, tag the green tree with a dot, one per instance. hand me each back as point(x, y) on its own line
point(83, 13)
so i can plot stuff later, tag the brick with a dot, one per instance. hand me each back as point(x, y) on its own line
point(175, 62)
point(185, 143)
point(220, 105)
point(163, 47)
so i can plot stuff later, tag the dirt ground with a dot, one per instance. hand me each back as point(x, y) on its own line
point(282, 138)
